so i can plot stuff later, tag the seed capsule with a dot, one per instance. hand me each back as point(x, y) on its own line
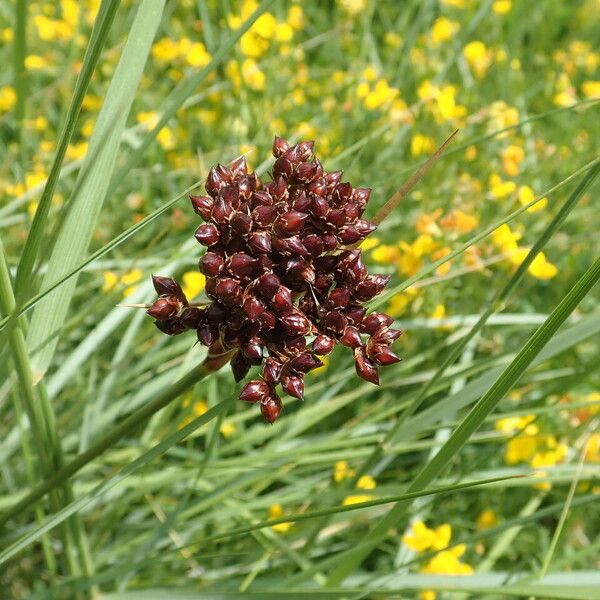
point(294, 386)
point(202, 206)
point(323, 345)
point(207, 234)
point(164, 308)
point(256, 391)
point(271, 408)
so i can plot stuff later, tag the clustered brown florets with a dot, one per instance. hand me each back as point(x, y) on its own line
point(280, 267)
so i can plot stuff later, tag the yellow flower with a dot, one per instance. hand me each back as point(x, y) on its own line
point(50, 30)
point(486, 519)
point(110, 280)
point(499, 188)
point(7, 35)
point(199, 408)
point(295, 17)
point(520, 449)
point(75, 151)
point(421, 144)
point(592, 448)
point(399, 302)
point(443, 29)
point(253, 45)
point(471, 153)
point(193, 284)
point(366, 482)
point(284, 32)
point(526, 195)
point(380, 95)
point(227, 429)
point(276, 511)
point(8, 98)
point(165, 50)
point(197, 56)
point(252, 75)
point(541, 268)
point(426, 223)
point(448, 562)
point(369, 243)
point(265, 25)
point(460, 4)
point(459, 221)
point(510, 425)
point(33, 61)
point(506, 239)
point(565, 98)
point(590, 89)
point(512, 156)
point(166, 138)
point(352, 7)
point(422, 538)
point(502, 7)
point(342, 471)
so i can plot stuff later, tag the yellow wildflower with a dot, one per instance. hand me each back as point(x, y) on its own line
point(253, 45)
point(369, 243)
point(199, 408)
point(512, 156)
point(227, 429)
point(423, 538)
point(196, 55)
point(129, 278)
point(541, 268)
point(443, 29)
point(380, 95)
point(34, 61)
point(276, 511)
point(252, 75)
point(265, 25)
point(526, 195)
point(502, 7)
point(342, 471)
point(352, 7)
point(75, 151)
point(426, 223)
point(295, 17)
point(590, 89)
point(166, 138)
point(284, 32)
point(50, 30)
point(486, 519)
point(366, 482)
point(500, 188)
point(193, 284)
point(471, 153)
point(421, 144)
point(448, 562)
point(8, 98)
point(165, 50)
point(506, 239)
point(460, 4)
point(592, 448)
point(459, 222)
point(399, 302)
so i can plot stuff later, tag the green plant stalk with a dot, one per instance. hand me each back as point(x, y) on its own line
point(493, 306)
point(348, 561)
point(141, 415)
point(41, 421)
point(31, 477)
point(102, 25)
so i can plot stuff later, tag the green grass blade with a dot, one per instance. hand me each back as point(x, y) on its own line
point(352, 559)
point(85, 206)
point(35, 238)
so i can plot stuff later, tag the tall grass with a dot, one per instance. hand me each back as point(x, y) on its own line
point(129, 469)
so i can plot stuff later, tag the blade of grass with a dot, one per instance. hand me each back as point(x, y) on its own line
point(348, 561)
point(102, 25)
point(84, 207)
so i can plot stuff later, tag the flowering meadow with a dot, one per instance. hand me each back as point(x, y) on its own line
point(130, 468)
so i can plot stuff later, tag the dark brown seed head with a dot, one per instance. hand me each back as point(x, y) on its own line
point(271, 408)
point(207, 234)
point(202, 206)
point(164, 307)
point(323, 345)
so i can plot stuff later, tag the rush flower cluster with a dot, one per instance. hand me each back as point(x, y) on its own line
point(285, 281)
